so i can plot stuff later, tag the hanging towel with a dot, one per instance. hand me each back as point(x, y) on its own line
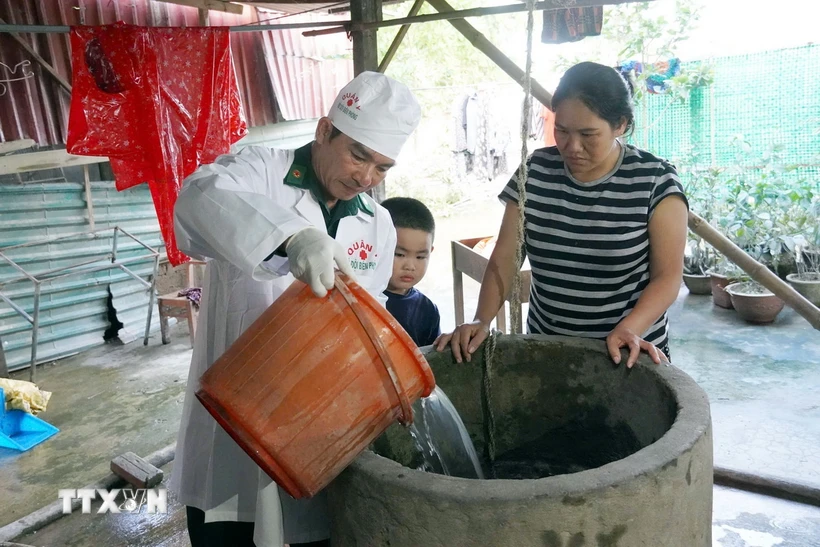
point(158, 102)
point(25, 396)
point(571, 24)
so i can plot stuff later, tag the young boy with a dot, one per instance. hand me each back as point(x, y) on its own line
point(415, 229)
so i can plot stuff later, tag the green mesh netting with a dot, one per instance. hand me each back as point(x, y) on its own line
point(770, 98)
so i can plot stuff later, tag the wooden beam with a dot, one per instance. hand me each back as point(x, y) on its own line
point(215, 5)
point(394, 46)
point(37, 161)
point(755, 269)
point(460, 14)
point(266, 3)
point(204, 17)
point(42, 62)
point(14, 146)
point(485, 46)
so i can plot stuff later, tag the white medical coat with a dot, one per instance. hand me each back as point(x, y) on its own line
point(235, 213)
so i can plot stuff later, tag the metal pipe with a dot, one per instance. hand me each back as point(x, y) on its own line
point(114, 245)
point(35, 333)
point(138, 241)
point(18, 268)
point(100, 268)
point(16, 308)
point(146, 284)
point(43, 276)
point(93, 235)
point(153, 291)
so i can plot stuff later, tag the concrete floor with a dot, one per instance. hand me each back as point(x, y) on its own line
point(762, 382)
point(107, 401)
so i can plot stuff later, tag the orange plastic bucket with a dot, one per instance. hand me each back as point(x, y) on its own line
point(313, 382)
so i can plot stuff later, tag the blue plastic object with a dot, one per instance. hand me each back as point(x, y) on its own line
point(20, 430)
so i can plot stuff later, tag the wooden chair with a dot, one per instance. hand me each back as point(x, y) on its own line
point(172, 305)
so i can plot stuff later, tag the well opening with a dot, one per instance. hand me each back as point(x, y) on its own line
point(556, 409)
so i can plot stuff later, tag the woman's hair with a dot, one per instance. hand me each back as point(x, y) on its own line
point(602, 89)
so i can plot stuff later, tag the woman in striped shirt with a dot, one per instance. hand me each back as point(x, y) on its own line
point(605, 229)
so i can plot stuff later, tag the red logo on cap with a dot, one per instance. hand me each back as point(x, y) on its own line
point(350, 99)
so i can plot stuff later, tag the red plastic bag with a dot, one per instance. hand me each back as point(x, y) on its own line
point(158, 102)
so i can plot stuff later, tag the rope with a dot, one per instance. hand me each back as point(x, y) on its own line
point(523, 174)
point(487, 399)
point(515, 303)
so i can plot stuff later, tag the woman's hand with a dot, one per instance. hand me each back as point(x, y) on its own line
point(621, 337)
point(464, 340)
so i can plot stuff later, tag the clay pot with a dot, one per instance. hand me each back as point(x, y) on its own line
point(698, 284)
point(754, 306)
point(807, 284)
point(719, 283)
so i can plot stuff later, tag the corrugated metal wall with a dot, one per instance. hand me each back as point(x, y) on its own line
point(40, 204)
point(301, 75)
point(73, 311)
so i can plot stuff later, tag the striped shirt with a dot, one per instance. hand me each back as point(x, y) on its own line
point(588, 243)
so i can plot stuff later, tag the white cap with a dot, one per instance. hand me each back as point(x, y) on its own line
point(377, 111)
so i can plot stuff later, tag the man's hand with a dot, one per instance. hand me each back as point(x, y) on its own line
point(312, 254)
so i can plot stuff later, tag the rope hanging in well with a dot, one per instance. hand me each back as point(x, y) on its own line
point(515, 303)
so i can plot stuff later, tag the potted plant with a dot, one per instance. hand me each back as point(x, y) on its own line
point(721, 276)
point(701, 184)
point(754, 302)
point(698, 259)
point(807, 279)
point(806, 254)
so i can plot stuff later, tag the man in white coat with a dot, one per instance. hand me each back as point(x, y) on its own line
point(262, 218)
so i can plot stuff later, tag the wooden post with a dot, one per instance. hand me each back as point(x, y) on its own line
point(391, 51)
point(485, 46)
point(365, 48)
point(755, 269)
point(204, 17)
point(366, 55)
point(458, 285)
point(89, 205)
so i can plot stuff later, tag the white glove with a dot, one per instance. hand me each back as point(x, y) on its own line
point(311, 254)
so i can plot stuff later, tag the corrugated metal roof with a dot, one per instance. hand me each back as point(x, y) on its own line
point(37, 108)
point(73, 311)
point(306, 74)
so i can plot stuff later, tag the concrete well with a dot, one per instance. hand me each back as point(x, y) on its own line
point(611, 457)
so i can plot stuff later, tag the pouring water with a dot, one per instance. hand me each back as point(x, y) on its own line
point(439, 434)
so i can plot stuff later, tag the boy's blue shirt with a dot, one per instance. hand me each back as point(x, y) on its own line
point(417, 314)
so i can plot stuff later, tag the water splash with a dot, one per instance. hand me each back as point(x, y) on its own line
point(442, 439)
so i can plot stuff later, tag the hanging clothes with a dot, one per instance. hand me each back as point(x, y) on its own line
point(459, 118)
point(535, 125)
point(158, 102)
point(571, 24)
point(549, 126)
point(658, 74)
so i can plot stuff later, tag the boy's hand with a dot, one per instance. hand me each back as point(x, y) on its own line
point(464, 340)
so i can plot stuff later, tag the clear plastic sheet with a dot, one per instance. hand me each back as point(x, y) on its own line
point(158, 102)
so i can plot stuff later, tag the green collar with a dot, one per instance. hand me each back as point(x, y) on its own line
point(301, 175)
